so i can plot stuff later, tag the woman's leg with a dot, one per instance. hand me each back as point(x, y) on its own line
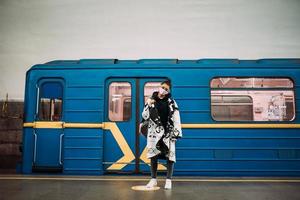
point(154, 167)
point(170, 167)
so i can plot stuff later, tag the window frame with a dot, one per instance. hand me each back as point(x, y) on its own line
point(257, 89)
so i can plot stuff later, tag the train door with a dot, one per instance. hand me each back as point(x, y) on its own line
point(124, 147)
point(47, 152)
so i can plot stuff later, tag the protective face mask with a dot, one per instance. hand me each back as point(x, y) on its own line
point(162, 91)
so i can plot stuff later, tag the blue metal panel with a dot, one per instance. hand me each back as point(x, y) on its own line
point(28, 148)
point(83, 92)
point(48, 148)
point(84, 116)
point(70, 152)
point(97, 61)
point(234, 150)
point(157, 61)
point(83, 104)
point(83, 151)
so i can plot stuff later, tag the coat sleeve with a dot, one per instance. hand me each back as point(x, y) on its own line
point(177, 122)
point(146, 113)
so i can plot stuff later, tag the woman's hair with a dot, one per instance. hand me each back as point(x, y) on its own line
point(168, 82)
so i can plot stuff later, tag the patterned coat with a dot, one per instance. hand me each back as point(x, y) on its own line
point(156, 130)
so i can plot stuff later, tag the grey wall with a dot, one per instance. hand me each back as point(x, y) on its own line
point(36, 31)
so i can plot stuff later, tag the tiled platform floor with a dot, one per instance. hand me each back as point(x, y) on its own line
point(119, 187)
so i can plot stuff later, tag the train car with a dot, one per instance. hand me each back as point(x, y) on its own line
point(239, 117)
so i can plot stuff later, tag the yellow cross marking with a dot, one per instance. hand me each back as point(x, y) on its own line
point(128, 155)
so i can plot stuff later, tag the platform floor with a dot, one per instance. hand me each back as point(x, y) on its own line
point(119, 188)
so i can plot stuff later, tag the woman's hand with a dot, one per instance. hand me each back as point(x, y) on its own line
point(150, 102)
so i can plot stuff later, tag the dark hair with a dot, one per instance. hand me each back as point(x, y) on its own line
point(168, 82)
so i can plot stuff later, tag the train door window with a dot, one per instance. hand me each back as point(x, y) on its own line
point(50, 101)
point(119, 101)
point(272, 99)
point(149, 88)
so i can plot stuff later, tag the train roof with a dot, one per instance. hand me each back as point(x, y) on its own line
point(114, 63)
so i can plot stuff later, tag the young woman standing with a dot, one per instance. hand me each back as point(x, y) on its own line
point(163, 130)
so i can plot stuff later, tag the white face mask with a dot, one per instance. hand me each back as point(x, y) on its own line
point(162, 91)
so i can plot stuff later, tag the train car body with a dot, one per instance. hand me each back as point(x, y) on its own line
point(239, 117)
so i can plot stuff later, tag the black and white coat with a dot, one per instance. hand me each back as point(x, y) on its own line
point(156, 131)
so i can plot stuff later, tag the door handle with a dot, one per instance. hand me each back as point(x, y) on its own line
point(37, 102)
point(34, 151)
point(60, 147)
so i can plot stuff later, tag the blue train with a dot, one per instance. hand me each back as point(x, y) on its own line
point(239, 117)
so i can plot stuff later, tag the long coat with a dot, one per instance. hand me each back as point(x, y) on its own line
point(156, 130)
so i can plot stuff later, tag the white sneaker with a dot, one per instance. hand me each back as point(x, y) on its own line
point(152, 183)
point(168, 184)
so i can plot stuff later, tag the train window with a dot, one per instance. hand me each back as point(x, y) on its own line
point(149, 88)
point(50, 101)
point(119, 101)
point(270, 100)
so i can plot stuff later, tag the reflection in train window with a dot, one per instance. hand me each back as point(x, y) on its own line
point(231, 108)
point(119, 101)
point(277, 104)
point(149, 88)
point(50, 109)
point(50, 103)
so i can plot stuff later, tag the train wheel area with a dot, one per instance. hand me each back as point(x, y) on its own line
point(120, 187)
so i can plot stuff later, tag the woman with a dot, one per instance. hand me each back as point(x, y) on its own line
point(163, 131)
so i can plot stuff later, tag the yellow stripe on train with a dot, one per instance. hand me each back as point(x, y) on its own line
point(46, 124)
